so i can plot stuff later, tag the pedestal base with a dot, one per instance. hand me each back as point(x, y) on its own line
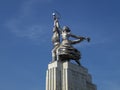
point(68, 76)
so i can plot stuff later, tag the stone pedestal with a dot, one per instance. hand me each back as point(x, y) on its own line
point(68, 76)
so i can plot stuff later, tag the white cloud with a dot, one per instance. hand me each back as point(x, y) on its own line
point(26, 24)
point(21, 29)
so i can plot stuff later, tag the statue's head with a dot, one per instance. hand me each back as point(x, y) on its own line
point(66, 28)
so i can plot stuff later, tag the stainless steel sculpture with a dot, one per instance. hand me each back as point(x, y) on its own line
point(64, 50)
point(55, 37)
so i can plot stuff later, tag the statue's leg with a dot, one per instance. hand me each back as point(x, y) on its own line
point(57, 53)
point(54, 54)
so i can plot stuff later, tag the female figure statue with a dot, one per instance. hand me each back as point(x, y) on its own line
point(66, 51)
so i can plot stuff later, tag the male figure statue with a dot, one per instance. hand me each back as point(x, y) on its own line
point(55, 37)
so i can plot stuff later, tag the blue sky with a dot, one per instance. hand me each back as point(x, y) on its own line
point(25, 40)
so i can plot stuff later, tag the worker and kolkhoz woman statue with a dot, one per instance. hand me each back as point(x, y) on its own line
point(64, 50)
